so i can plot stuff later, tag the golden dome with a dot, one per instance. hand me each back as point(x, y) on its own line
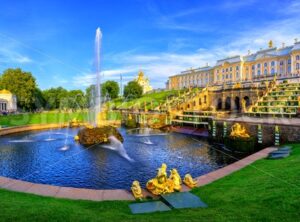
point(4, 91)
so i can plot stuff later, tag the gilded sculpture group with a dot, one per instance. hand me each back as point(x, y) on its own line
point(162, 184)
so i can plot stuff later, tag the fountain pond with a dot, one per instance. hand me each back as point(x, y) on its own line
point(53, 157)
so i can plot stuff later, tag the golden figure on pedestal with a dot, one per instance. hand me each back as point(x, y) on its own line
point(176, 180)
point(161, 184)
point(239, 131)
point(137, 190)
point(189, 181)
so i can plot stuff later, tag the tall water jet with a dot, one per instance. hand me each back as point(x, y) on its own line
point(95, 99)
point(97, 132)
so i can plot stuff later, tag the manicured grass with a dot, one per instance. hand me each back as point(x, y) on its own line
point(156, 98)
point(268, 190)
point(41, 118)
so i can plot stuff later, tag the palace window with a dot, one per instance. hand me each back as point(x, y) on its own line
point(253, 67)
point(204, 99)
point(289, 61)
point(298, 57)
point(281, 63)
point(273, 63)
point(227, 70)
point(237, 75)
point(297, 66)
point(230, 69)
point(266, 64)
point(272, 71)
point(237, 68)
point(200, 102)
point(258, 65)
point(258, 72)
point(265, 72)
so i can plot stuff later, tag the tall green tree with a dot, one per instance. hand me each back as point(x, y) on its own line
point(76, 99)
point(22, 84)
point(110, 88)
point(56, 98)
point(133, 90)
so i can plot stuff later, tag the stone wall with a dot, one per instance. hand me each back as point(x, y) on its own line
point(288, 134)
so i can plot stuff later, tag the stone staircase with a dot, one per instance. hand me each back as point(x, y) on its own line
point(280, 101)
point(176, 100)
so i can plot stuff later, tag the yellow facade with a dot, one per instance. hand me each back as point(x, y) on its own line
point(200, 77)
point(282, 62)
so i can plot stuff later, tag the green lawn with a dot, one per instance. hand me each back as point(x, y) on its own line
point(40, 118)
point(156, 98)
point(268, 190)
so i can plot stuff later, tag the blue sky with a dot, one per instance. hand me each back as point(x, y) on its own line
point(55, 39)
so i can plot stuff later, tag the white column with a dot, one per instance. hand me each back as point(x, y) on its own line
point(292, 65)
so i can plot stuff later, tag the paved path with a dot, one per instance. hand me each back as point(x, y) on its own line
point(100, 195)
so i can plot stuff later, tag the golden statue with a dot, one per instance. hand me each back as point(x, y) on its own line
point(76, 138)
point(244, 109)
point(137, 190)
point(160, 184)
point(270, 44)
point(176, 180)
point(239, 131)
point(189, 181)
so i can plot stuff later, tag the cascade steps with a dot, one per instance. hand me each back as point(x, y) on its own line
point(281, 101)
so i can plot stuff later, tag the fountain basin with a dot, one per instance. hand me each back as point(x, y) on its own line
point(51, 156)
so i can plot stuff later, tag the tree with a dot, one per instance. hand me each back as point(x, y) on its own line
point(22, 84)
point(40, 101)
point(133, 90)
point(55, 97)
point(110, 88)
point(76, 99)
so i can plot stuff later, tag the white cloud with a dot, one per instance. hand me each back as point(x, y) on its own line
point(11, 55)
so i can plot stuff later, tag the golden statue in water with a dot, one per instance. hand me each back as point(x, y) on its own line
point(137, 190)
point(189, 181)
point(161, 184)
point(239, 131)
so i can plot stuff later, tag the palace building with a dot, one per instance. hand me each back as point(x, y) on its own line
point(8, 102)
point(282, 62)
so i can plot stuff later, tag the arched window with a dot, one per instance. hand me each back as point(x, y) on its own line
point(297, 57)
point(297, 66)
point(200, 102)
point(265, 72)
point(272, 71)
point(266, 64)
point(205, 99)
point(273, 63)
point(253, 67)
